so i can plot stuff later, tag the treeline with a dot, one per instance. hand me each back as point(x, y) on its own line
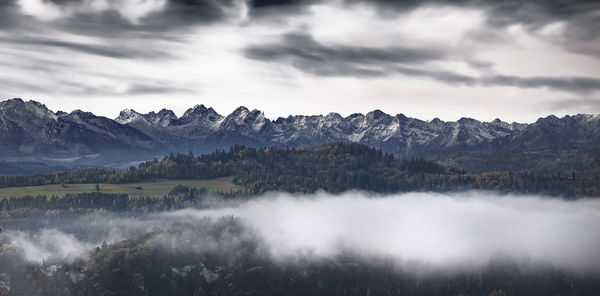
point(333, 167)
point(180, 197)
point(240, 161)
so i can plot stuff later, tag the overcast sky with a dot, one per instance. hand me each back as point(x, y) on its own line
point(514, 60)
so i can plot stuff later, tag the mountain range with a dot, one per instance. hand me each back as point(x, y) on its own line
point(30, 131)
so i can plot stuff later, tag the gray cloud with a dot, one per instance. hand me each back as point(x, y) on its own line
point(569, 84)
point(581, 17)
point(306, 54)
point(175, 14)
point(112, 51)
point(592, 103)
point(186, 32)
point(500, 13)
point(139, 88)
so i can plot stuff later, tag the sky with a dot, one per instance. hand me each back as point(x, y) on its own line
point(514, 60)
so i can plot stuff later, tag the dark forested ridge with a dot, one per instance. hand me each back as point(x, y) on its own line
point(333, 167)
point(177, 261)
point(157, 252)
point(584, 161)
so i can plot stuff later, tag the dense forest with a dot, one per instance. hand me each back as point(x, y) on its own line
point(222, 257)
point(333, 167)
point(180, 197)
point(149, 254)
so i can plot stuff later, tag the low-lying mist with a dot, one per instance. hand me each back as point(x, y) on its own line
point(461, 230)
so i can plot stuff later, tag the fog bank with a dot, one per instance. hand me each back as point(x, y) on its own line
point(443, 230)
point(462, 230)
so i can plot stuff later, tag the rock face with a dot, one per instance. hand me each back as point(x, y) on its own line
point(29, 128)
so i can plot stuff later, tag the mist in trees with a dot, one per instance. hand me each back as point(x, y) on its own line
point(417, 243)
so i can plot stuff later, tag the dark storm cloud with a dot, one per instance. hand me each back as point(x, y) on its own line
point(581, 85)
point(178, 13)
point(306, 54)
point(174, 15)
point(9, 15)
point(570, 84)
point(139, 88)
point(581, 17)
point(273, 9)
point(277, 3)
point(504, 12)
point(500, 12)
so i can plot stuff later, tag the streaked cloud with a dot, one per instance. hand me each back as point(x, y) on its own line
point(421, 58)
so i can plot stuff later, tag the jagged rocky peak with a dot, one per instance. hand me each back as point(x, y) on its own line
point(164, 117)
point(333, 117)
point(377, 115)
point(242, 114)
point(355, 115)
point(18, 107)
point(240, 111)
point(550, 118)
point(12, 103)
point(401, 117)
point(203, 127)
point(198, 109)
point(81, 116)
point(468, 121)
point(501, 124)
point(590, 117)
point(246, 119)
point(498, 122)
point(200, 112)
point(127, 116)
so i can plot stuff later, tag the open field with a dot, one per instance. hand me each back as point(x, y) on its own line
point(156, 188)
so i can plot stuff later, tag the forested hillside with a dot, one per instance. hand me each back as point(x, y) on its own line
point(333, 167)
point(178, 261)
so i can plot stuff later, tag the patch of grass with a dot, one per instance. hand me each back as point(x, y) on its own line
point(156, 188)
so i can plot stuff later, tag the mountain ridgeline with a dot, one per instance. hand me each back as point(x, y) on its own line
point(29, 130)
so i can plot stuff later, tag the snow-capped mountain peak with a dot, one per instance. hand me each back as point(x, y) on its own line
point(27, 126)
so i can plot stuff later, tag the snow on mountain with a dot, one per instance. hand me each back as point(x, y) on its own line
point(27, 127)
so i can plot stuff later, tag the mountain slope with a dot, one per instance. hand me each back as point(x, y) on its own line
point(29, 129)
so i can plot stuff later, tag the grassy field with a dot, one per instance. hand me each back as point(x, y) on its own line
point(156, 188)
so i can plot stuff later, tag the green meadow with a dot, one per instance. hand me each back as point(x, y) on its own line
point(156, 188)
